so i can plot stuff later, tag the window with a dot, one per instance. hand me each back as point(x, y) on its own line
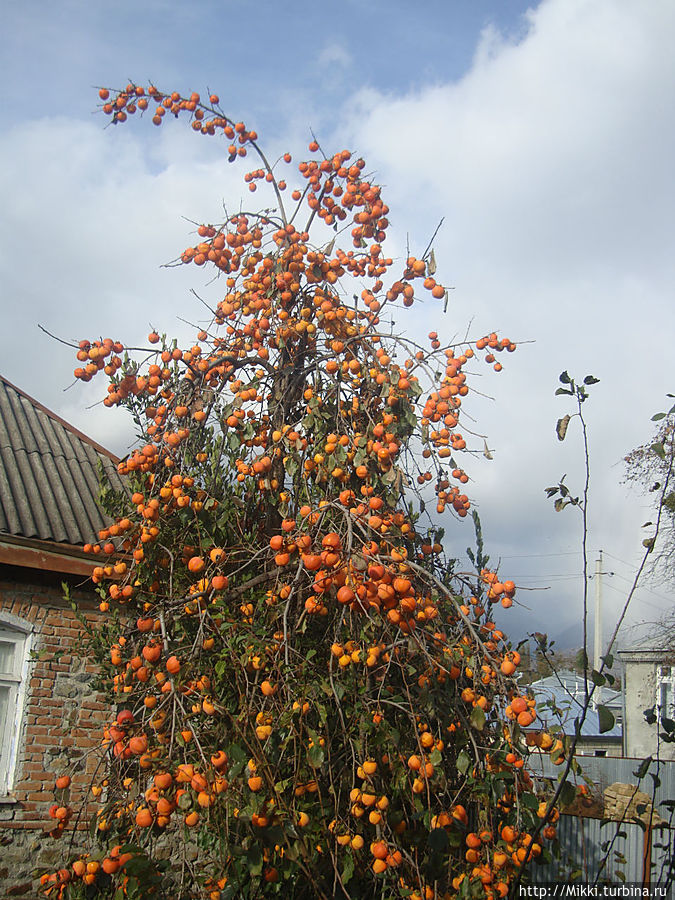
point(665, 691)
point(15, 641)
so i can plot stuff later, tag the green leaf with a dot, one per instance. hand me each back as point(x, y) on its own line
point(184, 802)
point(529, 801)
point(564, 378)
point(658, 416)
point(668, 725)
point(255, 860)
point(315, 756)
point(359, 457)
point(291, 465)
point(136, 866)
point(659, 449)
point(455, 839)
point(438, 840)
point(463, 762)
point(477, 718)
point(567, 794)
point(591, 379)
point(605, 719)
point(598, 679)
point(563, 391)
point(347, 868)
point(274, 835)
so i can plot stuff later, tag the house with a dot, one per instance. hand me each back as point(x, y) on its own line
point(560, 698)
point(649, 686)
point(49, 715)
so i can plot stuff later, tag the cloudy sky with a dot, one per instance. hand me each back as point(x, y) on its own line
point(542, 134)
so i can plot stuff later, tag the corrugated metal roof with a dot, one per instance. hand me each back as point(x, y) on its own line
point(550, 700)
point(560, 699)
point(49, 473)
point(572, 683)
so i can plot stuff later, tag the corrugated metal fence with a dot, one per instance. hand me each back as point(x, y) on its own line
point(594, 848)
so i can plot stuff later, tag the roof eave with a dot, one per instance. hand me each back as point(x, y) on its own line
point(29, 553)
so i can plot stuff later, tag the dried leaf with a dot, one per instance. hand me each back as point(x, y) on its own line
point(561, 427)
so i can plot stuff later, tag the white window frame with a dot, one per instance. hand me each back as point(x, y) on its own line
point(20, 633)
point(665, 685)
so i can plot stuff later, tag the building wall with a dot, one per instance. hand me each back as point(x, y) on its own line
point(61, 726)
point(640, 692)
point(611, 747)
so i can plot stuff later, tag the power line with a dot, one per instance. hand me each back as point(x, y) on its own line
point(538, 576)
point(539, 555)
point(643, 588)
point(623, 562)
point(579, 575)
point(641, 599)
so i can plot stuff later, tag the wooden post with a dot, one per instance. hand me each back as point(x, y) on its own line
point(647, 856)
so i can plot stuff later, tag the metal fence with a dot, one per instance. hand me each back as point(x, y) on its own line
point(596, 848)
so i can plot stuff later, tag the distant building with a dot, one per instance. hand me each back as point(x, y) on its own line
point(649, 685)
point(560, 700)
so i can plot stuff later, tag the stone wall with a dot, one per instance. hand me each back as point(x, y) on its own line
point(60, 731)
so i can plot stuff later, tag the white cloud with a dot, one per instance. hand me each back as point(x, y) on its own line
point(551, 161)
point(335, 54)
point(90, 218)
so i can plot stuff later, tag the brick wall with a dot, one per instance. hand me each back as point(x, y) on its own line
point(61, 727)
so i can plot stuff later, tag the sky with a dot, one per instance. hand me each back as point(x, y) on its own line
point(541, 134)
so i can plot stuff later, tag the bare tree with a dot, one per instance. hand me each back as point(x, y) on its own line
point(649, 469)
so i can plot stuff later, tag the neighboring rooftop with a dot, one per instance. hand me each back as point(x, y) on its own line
point(49, 473)
point(565, 691)
point(649, 646)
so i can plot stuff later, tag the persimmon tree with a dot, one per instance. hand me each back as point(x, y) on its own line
point(309, 700)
